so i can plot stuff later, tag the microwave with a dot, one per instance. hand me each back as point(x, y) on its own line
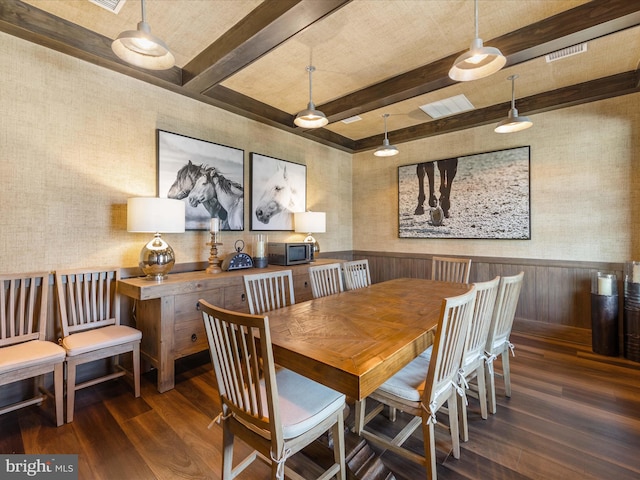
point(280, 253)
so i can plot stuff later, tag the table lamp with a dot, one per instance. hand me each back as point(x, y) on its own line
point(311, 222)
point(156, 215)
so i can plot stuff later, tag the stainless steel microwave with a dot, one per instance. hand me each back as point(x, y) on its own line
point(280, 253)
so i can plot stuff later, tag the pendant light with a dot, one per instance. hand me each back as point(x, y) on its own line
point(386, 150)
point(513, 122)
point(479, 61)
point(311, 118)
point(142, 49)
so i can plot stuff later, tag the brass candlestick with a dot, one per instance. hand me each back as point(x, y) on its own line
point(214, 261)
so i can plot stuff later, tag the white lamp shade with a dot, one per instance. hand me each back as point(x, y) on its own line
point(155, 215)
point(310, 222)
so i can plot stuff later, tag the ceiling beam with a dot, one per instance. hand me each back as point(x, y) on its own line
point(265, 28)
point(594, 90)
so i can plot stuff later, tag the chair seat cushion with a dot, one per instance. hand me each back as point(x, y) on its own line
point(303, 403)
point(29, 354)
point(87, 341)
point(408, 383)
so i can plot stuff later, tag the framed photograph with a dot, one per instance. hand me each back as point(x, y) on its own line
point(278, 189)
point(484, 195)
point(208, 177)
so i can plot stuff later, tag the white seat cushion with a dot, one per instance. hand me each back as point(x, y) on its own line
point(29, 354)
point(303, 403)
point(87, 341)
point(409, 382)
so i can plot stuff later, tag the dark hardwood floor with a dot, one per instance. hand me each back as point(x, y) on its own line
point(572, 414)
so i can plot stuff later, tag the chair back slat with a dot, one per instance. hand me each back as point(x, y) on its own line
point(326, 280)
point(356, 274)
point(448, 269)
point(242, 357)
point(486, 293)
point(446, 358)
point(88, 299)
point(23, 307)
point(268, 291)
point(504, 311)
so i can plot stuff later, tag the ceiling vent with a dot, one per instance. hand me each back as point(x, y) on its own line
point(111, 5)
point(355, 118)
point(566, 52)
point(448, 106)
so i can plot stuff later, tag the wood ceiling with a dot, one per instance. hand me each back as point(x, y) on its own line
point(372, 56)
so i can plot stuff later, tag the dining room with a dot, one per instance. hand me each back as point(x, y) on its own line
point(81, 136)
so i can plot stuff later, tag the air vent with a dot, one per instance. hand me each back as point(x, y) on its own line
point(355, 118)
point(111, 5)
point(566, 52)
point(448, 106)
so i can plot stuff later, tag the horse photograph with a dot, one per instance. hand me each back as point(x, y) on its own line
point(278, 189)
point(485, 195)
point(207, 176)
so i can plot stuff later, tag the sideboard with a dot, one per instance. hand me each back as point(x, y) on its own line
point(167, 312)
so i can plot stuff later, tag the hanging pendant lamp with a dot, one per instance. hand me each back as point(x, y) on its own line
point(142, 49)
point(386, 150)
point(513, 122)
point(310, 117)
point(479, 61)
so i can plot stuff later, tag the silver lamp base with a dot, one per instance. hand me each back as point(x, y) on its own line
point(156, 259)
point(316, 246)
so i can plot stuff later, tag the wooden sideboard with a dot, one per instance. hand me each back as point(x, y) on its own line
point(167, 312)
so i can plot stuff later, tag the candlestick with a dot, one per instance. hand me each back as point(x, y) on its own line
point(215, 225)
point(214, 261)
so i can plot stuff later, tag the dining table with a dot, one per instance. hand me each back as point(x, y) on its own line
point(354, 341)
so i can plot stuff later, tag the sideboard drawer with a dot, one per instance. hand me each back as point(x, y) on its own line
point(189, 337)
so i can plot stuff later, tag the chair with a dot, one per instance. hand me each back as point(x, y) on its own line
point(268, 291)
point(326, 279)
point(448, 269)
point(90, 318)
point(356, 274)
point(275, 411)
point(423, 386)
point(24, 352)
point(498, 344)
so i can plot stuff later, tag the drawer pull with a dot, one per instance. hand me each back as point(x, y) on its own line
point(243, 297)
point(194, 338)
point(198, 306)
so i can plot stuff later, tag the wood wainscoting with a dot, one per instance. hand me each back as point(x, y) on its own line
point(555, 301)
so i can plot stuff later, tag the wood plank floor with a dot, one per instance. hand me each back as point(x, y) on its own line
point(572, 414)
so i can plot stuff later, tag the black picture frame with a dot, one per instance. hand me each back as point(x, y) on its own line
point(278, 189)
point(195, 171)
point(479, 196)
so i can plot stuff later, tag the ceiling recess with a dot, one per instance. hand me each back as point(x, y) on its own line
point(566, 52)
point(111, 5)
point(355, 118)
point(448, 106)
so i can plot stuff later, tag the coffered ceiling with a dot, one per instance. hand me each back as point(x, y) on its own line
point(371, 56)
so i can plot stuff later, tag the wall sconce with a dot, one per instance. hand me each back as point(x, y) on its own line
point(156, 215)
point(311, 222)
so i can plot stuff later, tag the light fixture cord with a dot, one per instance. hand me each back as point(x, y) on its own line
point(311, 68)
point(513, 92)
point(385, 125)
point(476, 16)
point(143, 11)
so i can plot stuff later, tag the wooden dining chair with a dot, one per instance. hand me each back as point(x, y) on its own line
point(423, 386)
point(498, 344)
point(268, 291)
point(277, 412)
point(356, 274)
point(447, 269)
point(90, 320)
point(326, 279)
point(24, 351)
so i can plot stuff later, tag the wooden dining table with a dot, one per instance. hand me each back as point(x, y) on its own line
point(355, 340)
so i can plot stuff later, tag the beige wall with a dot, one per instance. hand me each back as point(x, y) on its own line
point(77, 140)
point(585, 196)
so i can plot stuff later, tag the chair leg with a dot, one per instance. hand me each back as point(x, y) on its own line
point(227, 452)
point(462, 418)
point(58, 391)
point(491, 388)
point(506, 371)
point(429, 438)
point(136, 369)
point(338, 445)
point(482, 391)
point(71, 390)
point(452, 405)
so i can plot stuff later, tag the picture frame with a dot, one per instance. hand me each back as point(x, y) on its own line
point(278, 189)
point(478, 196)
point(207, 176)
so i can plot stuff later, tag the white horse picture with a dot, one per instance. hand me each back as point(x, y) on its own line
point(278, 189)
